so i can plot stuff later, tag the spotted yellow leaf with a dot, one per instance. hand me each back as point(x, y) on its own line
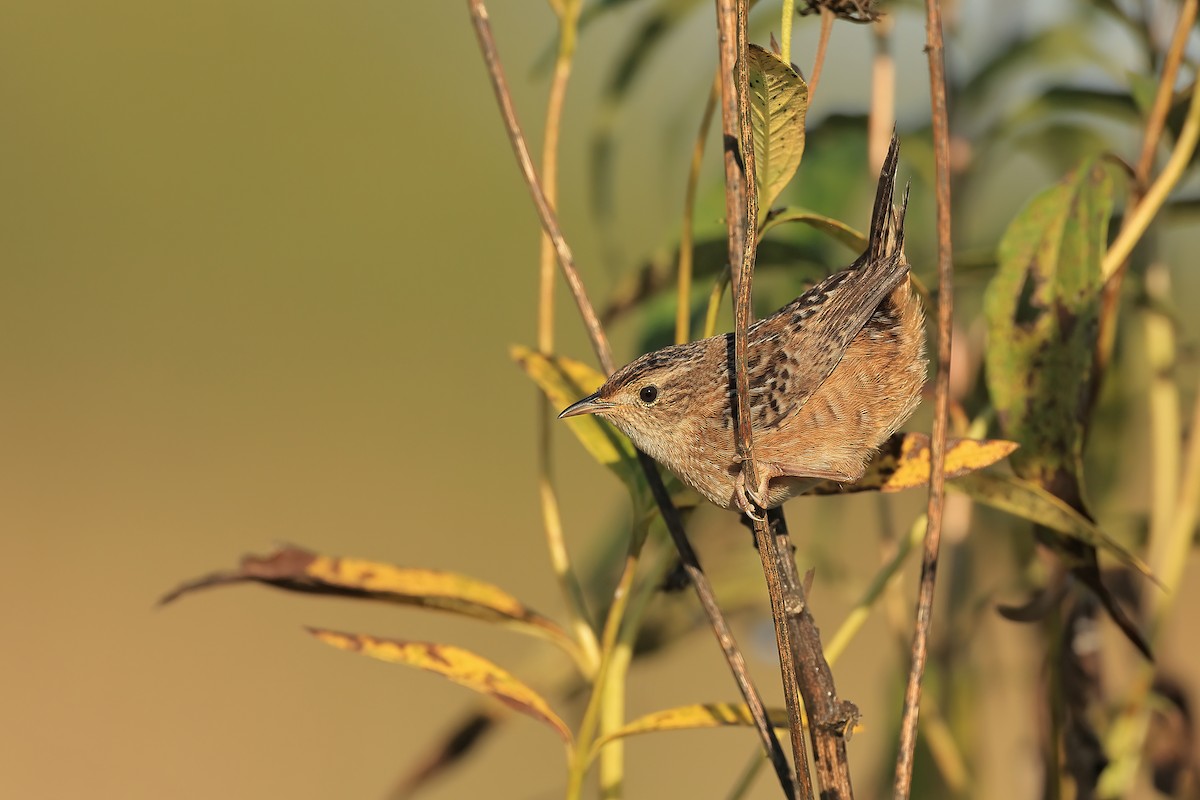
point(903, 462)
point(461, 666)
point(298, 570)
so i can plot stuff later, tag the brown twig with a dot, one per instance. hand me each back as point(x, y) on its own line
point(830, 719)
point(566, 261)
point(787, 599)
point(814, 78)
point(937, 477)
point(735, 184)
point(1155, 125)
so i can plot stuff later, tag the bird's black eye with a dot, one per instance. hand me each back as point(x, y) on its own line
point(648, 394)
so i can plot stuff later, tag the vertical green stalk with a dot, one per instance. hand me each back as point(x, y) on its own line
point(785, 30)
point(683, 309)
point(578, 617)
point(587, 733)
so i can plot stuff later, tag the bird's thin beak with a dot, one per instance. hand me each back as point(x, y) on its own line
point(588, 405)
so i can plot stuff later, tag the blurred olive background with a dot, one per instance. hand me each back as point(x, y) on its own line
point(262, 264)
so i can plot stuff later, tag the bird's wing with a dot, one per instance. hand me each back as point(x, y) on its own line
point(793, 351)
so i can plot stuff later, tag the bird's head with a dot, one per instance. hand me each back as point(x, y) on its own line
point(649, 398)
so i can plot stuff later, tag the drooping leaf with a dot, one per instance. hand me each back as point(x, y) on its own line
point(461, 666)
point(1043, 310)
point(778, 103)
point(297, 570)
point(694, 717)
point(1029, 501)
point(835, 229)
point(903, 462)
point(565, 380)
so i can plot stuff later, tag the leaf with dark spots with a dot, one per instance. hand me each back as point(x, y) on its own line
point(903, 462)
point(297, 570)
point(1042, 309)
point(461, 666)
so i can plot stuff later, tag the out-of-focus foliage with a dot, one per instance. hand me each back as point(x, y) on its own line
point(1062, 105)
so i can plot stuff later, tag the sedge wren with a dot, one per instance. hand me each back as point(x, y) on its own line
point(832, 375)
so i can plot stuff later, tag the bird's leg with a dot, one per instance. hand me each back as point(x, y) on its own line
point(751, 501)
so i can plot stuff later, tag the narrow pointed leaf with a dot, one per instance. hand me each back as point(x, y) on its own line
point(298, 570)
point(694, 717)
point(461, 666)
point(778, 103)
point(1029, 501)
point(903, 462)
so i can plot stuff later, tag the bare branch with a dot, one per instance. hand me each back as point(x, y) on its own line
point(937, 477)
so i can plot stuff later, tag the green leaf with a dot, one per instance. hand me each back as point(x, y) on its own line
point(778, 103)
point(461, 666)
point(1043, 311)
point(833, 228)
point(1031, 502)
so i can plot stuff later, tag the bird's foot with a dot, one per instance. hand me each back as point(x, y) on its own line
point(747, 500)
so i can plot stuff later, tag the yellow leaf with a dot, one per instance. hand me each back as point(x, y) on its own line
point(778, 103)
point(903, 462)
point(1029, 501)
point(461, 666)
point(298, 570)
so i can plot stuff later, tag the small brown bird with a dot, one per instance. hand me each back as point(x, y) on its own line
point(833, 374)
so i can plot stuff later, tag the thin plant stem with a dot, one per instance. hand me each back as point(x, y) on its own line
point(1155, 124)
point(714, 303)
point(566, 261)
point(1145, 211)
point(827, 18)
point(586, 735)
point(881, 119)
point(579, 620)
point(735, 180)
point(787, 16)
point(683, 308)
point(883, 579)
point(612, 712)
point(743, 317)
point(745, 781)
point(937, 477)
point(1166, 89)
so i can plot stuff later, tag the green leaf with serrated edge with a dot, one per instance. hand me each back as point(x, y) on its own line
point(835, 229)
point(1043, 311)
point(694, 717)
point(1031, 502)
point(778, 103)
point(459, 665)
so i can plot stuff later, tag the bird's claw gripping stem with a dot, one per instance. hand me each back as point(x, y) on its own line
point(749, 501)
